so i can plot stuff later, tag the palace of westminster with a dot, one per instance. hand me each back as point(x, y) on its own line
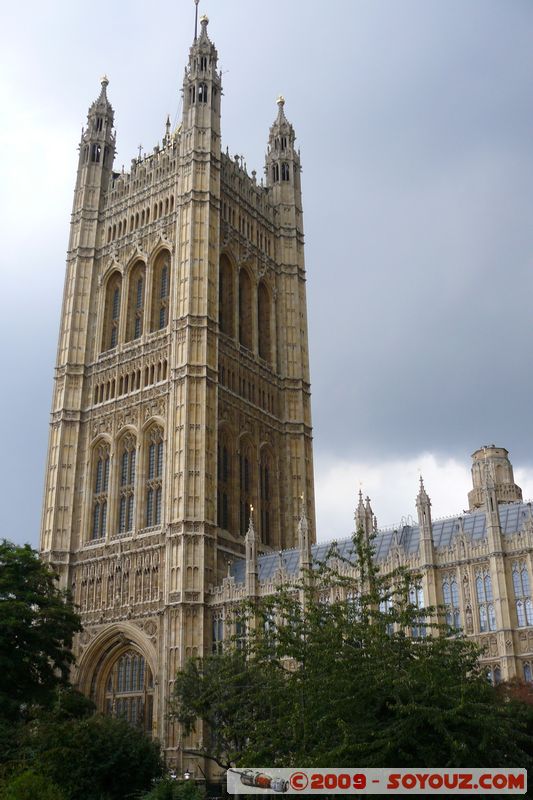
point(182, 400)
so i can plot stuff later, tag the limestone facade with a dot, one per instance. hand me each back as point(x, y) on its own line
point(182, 400)
point(182, 395)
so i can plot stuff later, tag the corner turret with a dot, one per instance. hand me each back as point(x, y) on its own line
point(97, 147)
point(496, 459)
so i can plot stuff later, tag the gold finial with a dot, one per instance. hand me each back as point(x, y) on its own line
point(104, 80)
point(204, 19)
point(281, 100)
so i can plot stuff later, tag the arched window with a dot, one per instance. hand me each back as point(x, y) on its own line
point(246, 484)
point(285, 172)
point(275, 173)
point(245, 309)
point(224, 465)
point(136, 288)
point(202, 93)
point(226, 306)
point(450, 594)
point(127, 484)
point(487, 615)
point(522, 592)
point(154, 476)
point(264, 322)
point(100, 491)
point(528, 674)
point(160, 292)
point(130, 689)
point(111, 312)
point(416, 598)
point(265, 497)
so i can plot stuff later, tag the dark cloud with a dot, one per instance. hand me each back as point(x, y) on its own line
point(415, 121)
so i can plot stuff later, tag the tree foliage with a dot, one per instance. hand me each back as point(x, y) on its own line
point(358, 677)
point(93, 758)
point(37, 624)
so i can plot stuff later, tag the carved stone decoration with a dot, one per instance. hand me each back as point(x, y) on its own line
point(466, 587)
point(469, 627)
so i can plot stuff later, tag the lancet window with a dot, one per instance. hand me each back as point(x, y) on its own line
point(522, 593)
point(136, 302)
point(100, 491)
point(225, 297)
point(485, 600)
point(450, 594)
point(264, 322)
point(265, 486)
point(130, 689)
point(245, 309)
point(112, 312)
point(160, 293)
point(246, 482)
point(127, 485)
point(154, 479)
point(224, 484)
point(218, 633)
point(416, 599)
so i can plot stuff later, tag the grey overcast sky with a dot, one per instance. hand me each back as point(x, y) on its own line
point(415, 123)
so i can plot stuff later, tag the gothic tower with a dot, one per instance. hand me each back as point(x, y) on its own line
point(182, 395)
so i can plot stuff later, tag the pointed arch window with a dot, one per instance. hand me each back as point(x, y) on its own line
point(246, 483)
point(218, 632)
point(522, 593)
point(450, 593)
point(202, 93)
point(154, 477)
point(275, 173)
point(112, 312)
point(136, 302)
point(100, 491)
point(264, 322)
point(528, 673)
point(224, 484)
point(245, 309)
point(285, 172)
point(127, 484)
point(416, 599)
point(160, 293)
point(130, 689)
point(266, 503)
point(485, 598)
point(226, 303)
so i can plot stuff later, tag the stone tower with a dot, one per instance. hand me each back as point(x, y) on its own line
point(182, 394)
point(495, 461)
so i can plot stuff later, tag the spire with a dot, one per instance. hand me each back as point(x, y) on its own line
point(250, 544)
point(364, 517)
point(304, 541)
point(360, 513)
point(202, 85)
point(196, 19)
point(425, 526)
point(282, 165)
point(97, 146)
point(423, 506)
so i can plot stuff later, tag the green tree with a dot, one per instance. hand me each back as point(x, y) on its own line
point(364, 679)
point(37, 624)
point(93, 757)
point(30, 785)
point(169, 789)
